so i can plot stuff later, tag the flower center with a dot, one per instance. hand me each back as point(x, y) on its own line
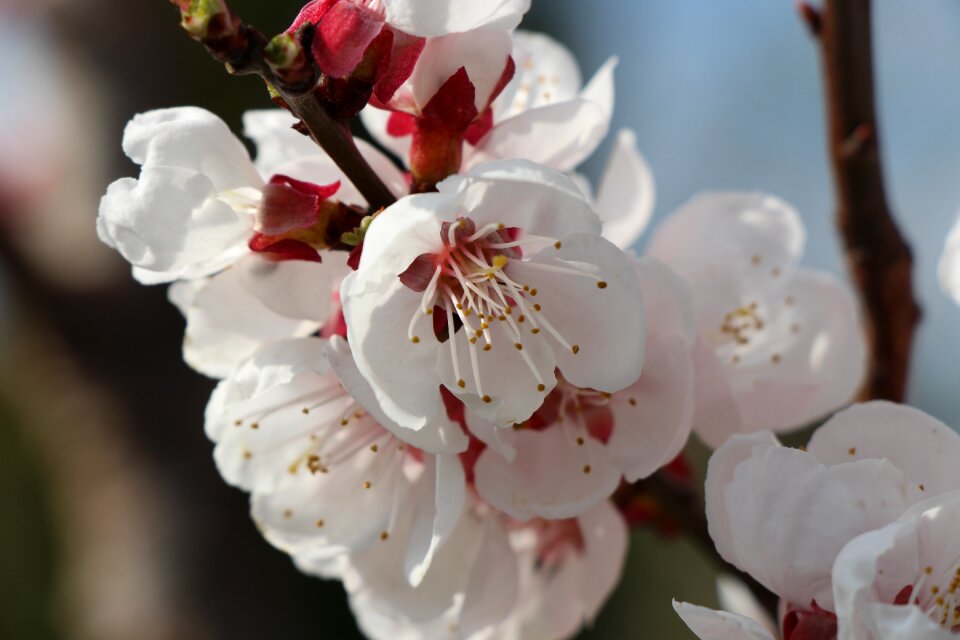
point(469, 282)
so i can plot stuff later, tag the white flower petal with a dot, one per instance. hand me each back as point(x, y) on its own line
point(505, 373)
point(668, 302)
point(923, 448)
point(518, 193)
point(375, 121)
point(710, 624)
point(949, 268)
point(190, 138)
point(605, 540)
point(547, 73)
point(600, 313)
point(789, 516)
point(716, 415)
point(277, 141)
point(439, 17)
point(402, 374)
point(627, 192)
point(482, 52)
point(168, 223)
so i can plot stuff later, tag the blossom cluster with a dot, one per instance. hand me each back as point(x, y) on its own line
point(434, 402)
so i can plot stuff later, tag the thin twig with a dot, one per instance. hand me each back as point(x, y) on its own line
point(243, 51)
point(879, 258)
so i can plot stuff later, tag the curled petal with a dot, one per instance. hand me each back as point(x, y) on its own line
point(439, 17)
point(627, 192)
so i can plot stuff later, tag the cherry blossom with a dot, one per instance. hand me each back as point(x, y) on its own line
point(294, 425)
point(780, 344)
point(573, 452)
point(783, 515)
point(903, 581)
point(505, 266)
point(494, 578)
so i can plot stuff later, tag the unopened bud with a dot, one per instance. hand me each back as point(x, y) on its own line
point(197, 14)
point(289, 61)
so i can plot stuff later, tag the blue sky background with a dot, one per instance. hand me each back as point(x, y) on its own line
point(725, 94)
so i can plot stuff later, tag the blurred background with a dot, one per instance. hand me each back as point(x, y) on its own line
point(115, 524)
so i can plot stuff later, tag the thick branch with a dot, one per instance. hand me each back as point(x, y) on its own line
point(879, 258)
point(243, 51)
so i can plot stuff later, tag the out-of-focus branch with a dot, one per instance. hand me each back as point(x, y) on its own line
point(879, 258)
point(286, 66)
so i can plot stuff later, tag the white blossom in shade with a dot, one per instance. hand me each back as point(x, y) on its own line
point(781, 345)
point(574, 451)
point(495, 578)
point(487, 288)
point(293, 427)
point(544, 114)
point(193, 209)
point(903, 581)
point(782, 515)
point(949, 267)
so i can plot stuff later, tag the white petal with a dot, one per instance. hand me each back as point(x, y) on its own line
point(375, 122)
point(518, 193)
point(491, 592)
point(496, 438)
point(277, 142)
point(627, 192)
point(226, 324)
point(710, 624)
point(169, 223)
point(552, 475)
point(505, 374)
point(605, 322)
point(559, 136)
point(331, 512)
point(482, 52)
point(295, 288)
point(403, 375)
point(920, 446)
point(438, 17)
point(443, 493)
point(440, 435)
point(190, 138)
point(652, 417)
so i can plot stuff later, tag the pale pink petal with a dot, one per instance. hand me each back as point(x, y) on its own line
point(716, 415)
point(605, 539)
point(547, 73)
point(923, 448)
point(710, 624)
point(949, 268)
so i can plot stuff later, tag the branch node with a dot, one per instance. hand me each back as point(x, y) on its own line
point(811, 17)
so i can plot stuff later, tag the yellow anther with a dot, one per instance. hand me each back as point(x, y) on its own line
point(601, 285)
point(461, 383)
point(415, 339)
point(487, 399)
point(499, 261)
point(575, 348)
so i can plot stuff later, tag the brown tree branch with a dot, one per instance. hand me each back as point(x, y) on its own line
point(243, 50)
point(879, 258)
